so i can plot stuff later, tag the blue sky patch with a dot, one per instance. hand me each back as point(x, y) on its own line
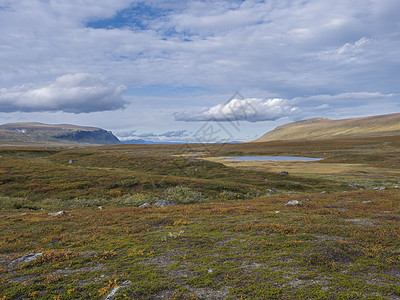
point(136, 17)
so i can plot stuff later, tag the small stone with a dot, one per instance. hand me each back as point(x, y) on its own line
point(277, 211)
point(284, 173)
point(272, 190)
point(323, 192)
point(112, 294)
point(164, 203)
point(293, 203)
point(145, 205)
point(100, 207)
point(210, 270)
point(60, 213)
point(368, 201)
point(382, 188)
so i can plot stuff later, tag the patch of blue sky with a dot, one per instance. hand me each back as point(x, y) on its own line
point(5, 7)
point(136, 17)
point(161, 90)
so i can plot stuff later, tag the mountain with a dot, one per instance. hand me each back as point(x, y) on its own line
point(323, 128)
point(38, 133)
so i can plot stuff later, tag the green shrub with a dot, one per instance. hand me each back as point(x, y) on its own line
point(183, 195)
point(135, 200)
point(75, 202)
point(17, 203)
point(229, 195)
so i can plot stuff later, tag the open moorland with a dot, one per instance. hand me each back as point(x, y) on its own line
point(237, 230)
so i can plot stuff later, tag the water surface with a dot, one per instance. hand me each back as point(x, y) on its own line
point(270, 158)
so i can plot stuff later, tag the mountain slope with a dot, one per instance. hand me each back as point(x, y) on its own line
point(323, 128)
point(38, 133)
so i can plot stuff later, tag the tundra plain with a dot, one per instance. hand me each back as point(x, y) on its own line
point(235, 231)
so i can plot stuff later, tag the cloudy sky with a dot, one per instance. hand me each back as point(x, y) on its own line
point(167, 70)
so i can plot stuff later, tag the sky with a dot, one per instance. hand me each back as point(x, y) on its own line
point(197, 71)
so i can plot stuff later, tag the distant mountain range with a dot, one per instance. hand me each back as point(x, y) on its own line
point(146, 142)
point(31, 133)
point(38, 133)
point(323, 128)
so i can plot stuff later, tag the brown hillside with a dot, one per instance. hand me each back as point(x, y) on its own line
point(322, 128)
point(37, 133)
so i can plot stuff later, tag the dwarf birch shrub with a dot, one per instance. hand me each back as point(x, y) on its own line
point(183, 195)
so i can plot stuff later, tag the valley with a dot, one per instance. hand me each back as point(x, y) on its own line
point(176, 222)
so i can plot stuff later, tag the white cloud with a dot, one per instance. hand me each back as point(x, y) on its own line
point(252, 110)
point(278, 46)
point(356, 47)
point(353, 96)
point(76, 93)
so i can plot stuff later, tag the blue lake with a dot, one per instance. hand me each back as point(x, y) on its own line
point(270, 158)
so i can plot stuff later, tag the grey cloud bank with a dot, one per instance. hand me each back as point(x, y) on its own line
point(74, 93)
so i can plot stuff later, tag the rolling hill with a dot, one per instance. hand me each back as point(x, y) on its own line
point(323, 128)
point(37, 133)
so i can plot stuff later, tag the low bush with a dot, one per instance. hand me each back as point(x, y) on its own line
point(183, 195)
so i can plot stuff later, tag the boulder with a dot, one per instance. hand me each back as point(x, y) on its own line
point(164, 203)
point(60, 213)
point(293, 203)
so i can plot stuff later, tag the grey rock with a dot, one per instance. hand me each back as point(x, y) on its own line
point(164, 203)
point(272, 190)
point(284, 173)
point(144, 205)
point(293, 203)
point(27, 258)
point(379, 188)
point(60, 213)
point(360, 222)
point(112, 294)
point(100, 207)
